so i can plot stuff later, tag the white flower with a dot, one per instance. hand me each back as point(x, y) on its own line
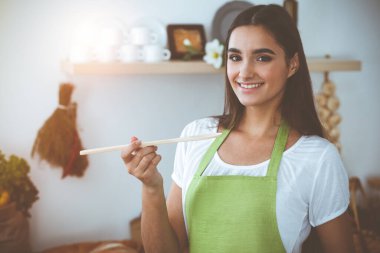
point(214, 53)
point(186, 42)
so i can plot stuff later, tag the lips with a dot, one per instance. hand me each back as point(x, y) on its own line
point(250, 85)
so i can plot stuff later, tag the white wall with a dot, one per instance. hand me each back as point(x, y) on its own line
point(35, 36)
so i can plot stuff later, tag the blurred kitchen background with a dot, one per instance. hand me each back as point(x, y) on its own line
point(36, 36)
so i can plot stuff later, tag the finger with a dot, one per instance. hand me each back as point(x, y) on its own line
point(134, 138)
point(143, 165)
point(152, 168)
point(126, 153)
point(139, 155)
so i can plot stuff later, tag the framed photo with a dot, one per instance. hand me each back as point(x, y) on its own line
point(193, 33)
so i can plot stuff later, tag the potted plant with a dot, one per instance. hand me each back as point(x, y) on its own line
point(17, 195)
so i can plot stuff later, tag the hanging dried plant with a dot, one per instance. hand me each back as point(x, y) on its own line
point(327, 106)
point(57, 141)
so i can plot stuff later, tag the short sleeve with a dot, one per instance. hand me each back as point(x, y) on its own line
point(330, 193)
point(179, 161)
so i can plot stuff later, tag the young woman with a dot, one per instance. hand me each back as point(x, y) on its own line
point(270, 176)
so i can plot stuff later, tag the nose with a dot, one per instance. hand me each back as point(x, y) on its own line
point(247, 69)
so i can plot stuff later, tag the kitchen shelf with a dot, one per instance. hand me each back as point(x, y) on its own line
point(190, 67)
point(118, 68)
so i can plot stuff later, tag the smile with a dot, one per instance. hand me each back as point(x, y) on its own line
point(250, 85)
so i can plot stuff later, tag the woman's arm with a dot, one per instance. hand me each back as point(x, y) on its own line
point(336, 235)
point(157, 233)
point(175, 211)
point(156, 230)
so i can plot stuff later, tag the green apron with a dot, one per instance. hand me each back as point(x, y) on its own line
point(235, 213)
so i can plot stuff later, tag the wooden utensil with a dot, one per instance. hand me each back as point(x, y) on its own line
point(151, 143)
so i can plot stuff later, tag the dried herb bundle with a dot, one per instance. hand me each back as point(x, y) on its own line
point(58, 141)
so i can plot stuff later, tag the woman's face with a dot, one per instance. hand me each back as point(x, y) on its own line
point(256, 67)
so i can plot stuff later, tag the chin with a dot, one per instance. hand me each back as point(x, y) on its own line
point(246, 103)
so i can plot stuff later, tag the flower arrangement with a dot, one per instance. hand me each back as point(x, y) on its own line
point(214, 53)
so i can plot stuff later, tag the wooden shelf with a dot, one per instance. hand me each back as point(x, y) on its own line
point(190, 67)
point(117, 68)
point(329, 65)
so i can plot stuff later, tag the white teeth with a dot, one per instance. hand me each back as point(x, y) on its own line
point(250, 86)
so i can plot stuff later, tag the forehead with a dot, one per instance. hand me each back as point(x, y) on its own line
point(252, 37)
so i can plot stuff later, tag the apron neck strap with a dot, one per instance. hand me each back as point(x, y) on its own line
point(278, 149)
point(211, 151)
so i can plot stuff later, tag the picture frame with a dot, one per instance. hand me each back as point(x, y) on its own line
point(195, 33)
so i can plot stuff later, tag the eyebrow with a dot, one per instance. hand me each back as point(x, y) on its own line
point(256, 51)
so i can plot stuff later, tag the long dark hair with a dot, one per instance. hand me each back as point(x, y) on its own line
point(297, 106)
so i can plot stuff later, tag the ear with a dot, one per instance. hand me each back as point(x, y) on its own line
point(294, 64)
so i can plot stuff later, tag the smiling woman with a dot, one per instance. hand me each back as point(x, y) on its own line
point(271, 171)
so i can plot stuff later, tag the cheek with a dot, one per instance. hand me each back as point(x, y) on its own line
point(268, 71)
point(232, 73)
point(275, 73)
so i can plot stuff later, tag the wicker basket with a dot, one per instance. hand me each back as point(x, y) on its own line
point(14, 230)
point(365, 240)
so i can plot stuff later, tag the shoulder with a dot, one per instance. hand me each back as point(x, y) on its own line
point(310, 155)
point(315, 147)
point(197, 127)
point(188, 154)
point(200, 126)
point(313, 169)
point(312, 158)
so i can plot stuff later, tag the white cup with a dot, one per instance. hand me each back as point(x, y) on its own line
point(141, 35)
point(156, 53)
point(106, 53)
point(130, 53)
point(110, 37)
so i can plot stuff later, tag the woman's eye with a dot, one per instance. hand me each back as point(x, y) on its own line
point(234, 57)
point(264, 58)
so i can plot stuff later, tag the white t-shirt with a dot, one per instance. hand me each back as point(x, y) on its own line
point(312, 185)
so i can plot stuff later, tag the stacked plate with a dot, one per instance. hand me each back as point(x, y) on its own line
point(225, 16)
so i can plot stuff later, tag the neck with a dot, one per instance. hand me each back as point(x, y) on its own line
point(260, 123)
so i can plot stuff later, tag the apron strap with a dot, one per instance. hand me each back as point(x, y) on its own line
point(211, 151)
point(278, 149)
